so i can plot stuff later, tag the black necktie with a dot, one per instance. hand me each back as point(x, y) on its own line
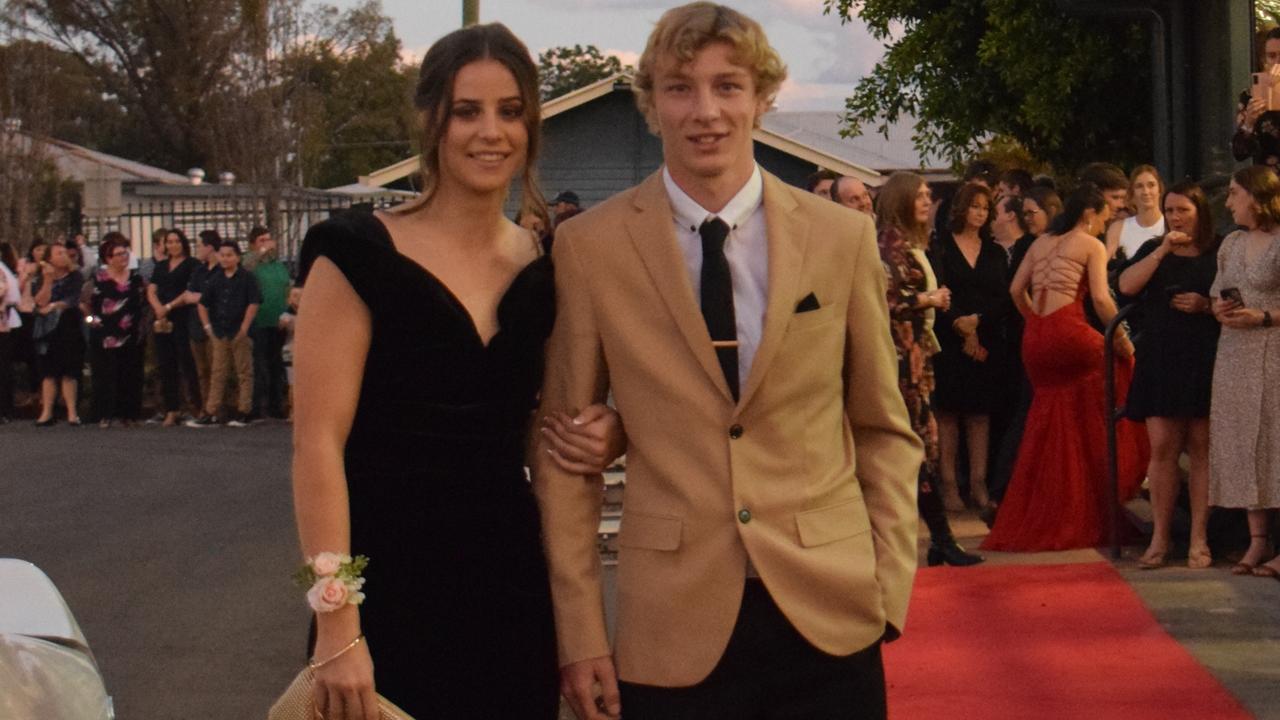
point(717, 299)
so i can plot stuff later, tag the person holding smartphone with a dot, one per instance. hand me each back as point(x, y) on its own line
point(1244, 419)
point(1257, 134)
point(1171, 276)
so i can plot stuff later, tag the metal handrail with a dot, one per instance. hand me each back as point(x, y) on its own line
point(1113, 416)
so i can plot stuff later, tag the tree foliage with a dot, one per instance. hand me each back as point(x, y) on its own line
point(273, 91)
point(1267, 11)
point(565, 69)
point(1069, 90)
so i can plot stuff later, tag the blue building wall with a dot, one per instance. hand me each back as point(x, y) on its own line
point(603, 147)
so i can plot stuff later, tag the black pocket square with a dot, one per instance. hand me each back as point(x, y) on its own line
point(810, 302)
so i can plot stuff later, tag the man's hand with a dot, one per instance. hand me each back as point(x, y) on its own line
point(591, 687)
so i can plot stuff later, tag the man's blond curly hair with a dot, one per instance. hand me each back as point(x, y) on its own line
point(682, 31)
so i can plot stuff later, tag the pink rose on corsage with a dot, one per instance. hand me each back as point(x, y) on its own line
point(326, 563)
point(328, 594)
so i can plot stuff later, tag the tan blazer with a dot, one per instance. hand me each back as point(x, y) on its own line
point(710, 483)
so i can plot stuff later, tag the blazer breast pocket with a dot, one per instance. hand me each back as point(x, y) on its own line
point(803, 320)
point(650, 532)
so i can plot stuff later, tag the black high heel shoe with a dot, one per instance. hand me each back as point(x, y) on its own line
point(46, 423)
point(950, 553)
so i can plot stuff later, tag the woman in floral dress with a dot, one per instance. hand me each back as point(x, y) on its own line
point(115, 319)
point(903, 221)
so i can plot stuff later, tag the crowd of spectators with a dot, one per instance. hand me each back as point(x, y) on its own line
point(1204, 348)
point(195, 319)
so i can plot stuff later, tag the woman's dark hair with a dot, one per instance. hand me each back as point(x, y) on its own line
point(109, 243)
point(10, 259)
point(1205, 239)
point(31, 251)
point(233, 245)
point(210, 238)
point(1263, 186)
point(434, 98)
point(959, 217)
point(1048, 200)
point(182, 238)
point(1085, 197)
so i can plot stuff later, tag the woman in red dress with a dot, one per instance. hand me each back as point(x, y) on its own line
point(1057, 497)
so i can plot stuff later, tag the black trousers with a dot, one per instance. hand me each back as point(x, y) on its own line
point(268, 371)
point(769, 672)
point(7, 343)
point(117, 382)
point(177, 367)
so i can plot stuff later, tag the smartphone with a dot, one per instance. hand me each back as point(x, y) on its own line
point(1232, 295)
point(1171, 290)
point(1264, 89)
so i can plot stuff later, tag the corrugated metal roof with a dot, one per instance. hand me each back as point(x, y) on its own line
point(71, 158)
point(821, 131)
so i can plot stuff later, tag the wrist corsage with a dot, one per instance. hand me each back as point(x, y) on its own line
point(332, 580)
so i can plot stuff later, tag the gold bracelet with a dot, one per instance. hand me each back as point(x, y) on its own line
point(317, 665)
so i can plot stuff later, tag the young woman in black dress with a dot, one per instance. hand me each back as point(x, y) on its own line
point(1172, 379)
point(58, 333)
point(419, 352)
point(167, 294)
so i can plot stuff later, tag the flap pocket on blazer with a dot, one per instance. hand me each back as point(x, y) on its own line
point(808, 319)
point(829, 524)
point(651, 532)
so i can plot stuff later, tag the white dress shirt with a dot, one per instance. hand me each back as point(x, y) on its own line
point(746, 249)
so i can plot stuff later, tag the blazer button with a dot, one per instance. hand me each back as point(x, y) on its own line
point(735, 432)
point(744, 516)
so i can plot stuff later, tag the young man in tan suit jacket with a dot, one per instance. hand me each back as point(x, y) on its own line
point(768, 541)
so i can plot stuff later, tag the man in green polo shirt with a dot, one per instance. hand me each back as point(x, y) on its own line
point(268, 336)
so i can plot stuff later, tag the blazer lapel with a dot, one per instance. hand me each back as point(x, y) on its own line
point(651, 230)
point(788, 233)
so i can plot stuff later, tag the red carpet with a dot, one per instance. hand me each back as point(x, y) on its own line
point(1042, 642)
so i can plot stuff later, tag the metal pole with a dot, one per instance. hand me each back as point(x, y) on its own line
point(470, 12)
point(1113, 416)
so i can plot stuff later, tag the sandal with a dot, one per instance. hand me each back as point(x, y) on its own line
point(1244, 568)
point(1266, 571)
point(1152, 560)
point(1199, 558)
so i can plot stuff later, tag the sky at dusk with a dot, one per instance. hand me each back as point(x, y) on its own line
point(824, 59)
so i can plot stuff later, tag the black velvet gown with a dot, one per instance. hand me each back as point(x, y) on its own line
point(458, 612)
